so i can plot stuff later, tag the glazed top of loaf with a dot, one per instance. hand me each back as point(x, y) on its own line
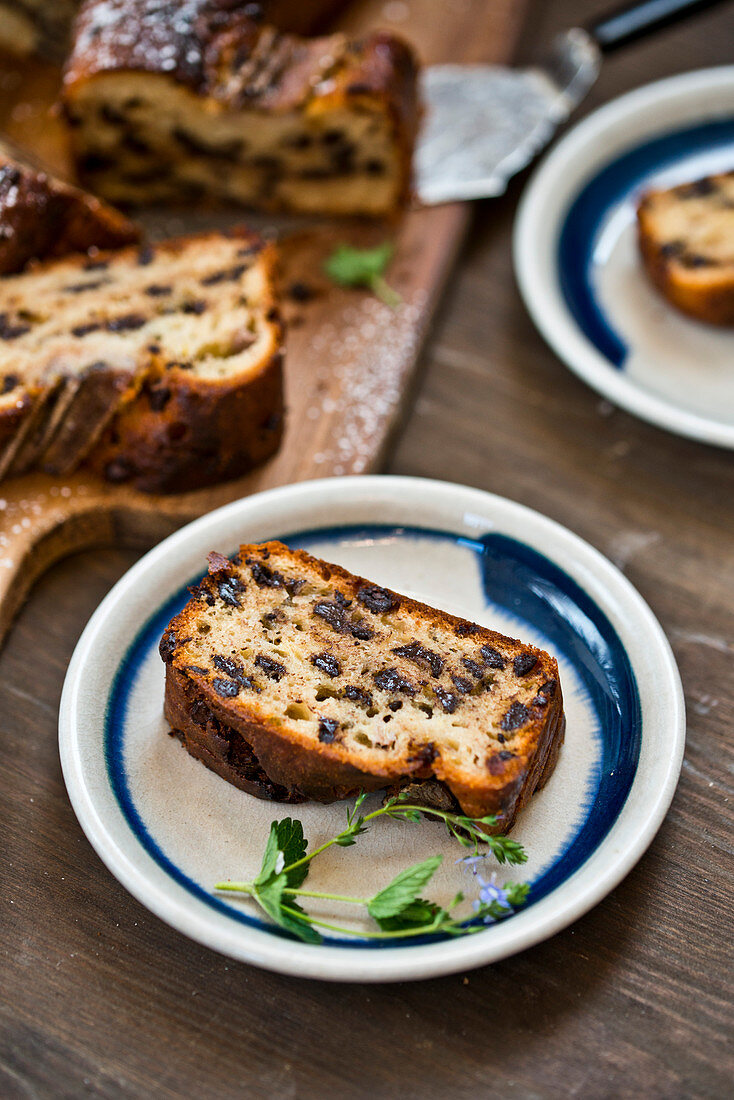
point(219, 49)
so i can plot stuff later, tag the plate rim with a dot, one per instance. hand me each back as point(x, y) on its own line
point(558, 909)
point(543, 298)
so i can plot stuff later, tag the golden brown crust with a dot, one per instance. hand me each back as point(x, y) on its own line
point(327, 771)
point(41, 216)
point(698, 285)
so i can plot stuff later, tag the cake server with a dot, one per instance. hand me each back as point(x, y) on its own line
point(485, 123)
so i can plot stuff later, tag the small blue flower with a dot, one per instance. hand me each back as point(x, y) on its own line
point(472, 862)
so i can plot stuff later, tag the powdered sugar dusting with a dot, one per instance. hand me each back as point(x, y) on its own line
point(369, 349)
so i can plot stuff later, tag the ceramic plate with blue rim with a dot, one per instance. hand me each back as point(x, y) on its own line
point(577, 261)
point(169, 829)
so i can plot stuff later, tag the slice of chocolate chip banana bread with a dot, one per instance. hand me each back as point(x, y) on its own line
point(157, 365)
point(686, 237)
point(295, 679)
point(209, 101)
point(41, 216)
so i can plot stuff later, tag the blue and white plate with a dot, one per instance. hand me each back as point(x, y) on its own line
point(577, 260)
point(169, 829)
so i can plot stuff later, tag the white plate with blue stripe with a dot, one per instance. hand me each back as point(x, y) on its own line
point(578, 264)
point(169, 829)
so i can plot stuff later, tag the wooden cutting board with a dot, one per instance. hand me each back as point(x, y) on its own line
point(349, 357)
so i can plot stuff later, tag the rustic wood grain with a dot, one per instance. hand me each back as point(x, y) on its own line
point(99, 998)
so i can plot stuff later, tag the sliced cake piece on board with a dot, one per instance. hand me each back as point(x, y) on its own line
point(215, 103)
point(295, 679)
point(42, 216)
point(157, 365)
point(686, 236)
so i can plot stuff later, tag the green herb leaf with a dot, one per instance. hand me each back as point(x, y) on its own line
point(349, 266)
point(270, 856)
point(403, 889)
point(517, 892)
point(301, 928)
point(293, 845)
point(415, 915)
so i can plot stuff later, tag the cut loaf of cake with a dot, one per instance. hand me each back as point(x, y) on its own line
point(179, 101)
point(41, 216)
point(157, 365)
point(295, 679)
point(686, 236)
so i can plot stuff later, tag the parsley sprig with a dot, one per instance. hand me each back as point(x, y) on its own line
point(398, 909)
point(349, 266)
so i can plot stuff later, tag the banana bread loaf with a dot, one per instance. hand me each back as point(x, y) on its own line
point(156, 365)
point(209, 101)
point(295, 679)
point(686, 236)
point(42, 216)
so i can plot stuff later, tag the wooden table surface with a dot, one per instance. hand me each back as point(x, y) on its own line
point(99, 998)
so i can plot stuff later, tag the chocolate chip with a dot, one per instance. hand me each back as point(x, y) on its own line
point(341, 599)
point(145, 255)
point(10, 381)
point(300, 292)
point(358, 695)
point(234, 671)
point(362, 631)
point(461, 684)
point(77, 288)
point(230, 275)
point(463, 630)
point(136, 145)
point(516, 716)
point(229, 589)
point(84, 330)
point(375, 168)
point(167, 646)
point(96, 265)
point(420, 655)
point(273, 669)
point(109, 114)
point(226, 688)
point(492, 658)
point(696, 190)
point(10, 331)
point(523, 663)
point(264, 576)
point(672, 248)
point(197, 669)
point(157, 290)
point(158, 397)
point(389, 679)
point(395, 705)
point(447, 699)
point(692, 259)
point(128, 323)
point(377, 599)
point(473, 667)
point(387, 718)
point(197, 306)
point(327, 664)
point(336, 616)
point(327, 729)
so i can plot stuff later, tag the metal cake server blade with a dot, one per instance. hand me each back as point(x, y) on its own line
point(485, 123)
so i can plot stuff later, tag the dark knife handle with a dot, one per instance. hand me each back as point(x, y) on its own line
point(632, 21)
